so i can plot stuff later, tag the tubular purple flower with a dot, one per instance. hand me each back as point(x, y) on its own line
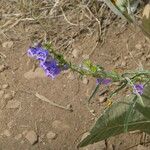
point(104, 81)
point(52, 71)
point(42, 54)
point(32, 52)
point(138, 88)
point(51, 68)
point(47, 62)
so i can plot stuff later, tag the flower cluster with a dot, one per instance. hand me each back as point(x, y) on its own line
point(138, 88)
point(104, 81)
point(47, 62)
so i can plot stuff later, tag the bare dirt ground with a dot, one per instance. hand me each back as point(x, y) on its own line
point(79, 30)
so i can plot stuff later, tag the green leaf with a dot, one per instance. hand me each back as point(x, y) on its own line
point(145, 110)
point(93, 93)
point(146, 20)
point(118, 12)
point(112, 122)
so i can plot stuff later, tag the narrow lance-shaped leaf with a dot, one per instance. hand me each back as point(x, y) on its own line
point(112, 122)
point(146, 20)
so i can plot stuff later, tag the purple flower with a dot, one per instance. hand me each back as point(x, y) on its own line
point(32, 52)
point(42, 54)
point(138, 88)
point(104, 81)
point(38, 52)
point(51, 68)
point(49, 64)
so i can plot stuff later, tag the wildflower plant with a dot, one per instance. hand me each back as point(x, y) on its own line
point(129, 114)
point(121, 116)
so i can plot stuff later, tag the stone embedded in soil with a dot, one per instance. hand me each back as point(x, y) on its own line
point(2, 68)
point(6, 133)
point(69, 107)
point(92, 111)
point(13, 104)
point(1, 93)
point(7, 44)
point(32, 137)
point(85, 56)
point(18, 137)
point(8, 96)
point(51, 135)
point(123, 64)
point(60, 126)
point(102, 99)
point(138, 46)
point(75, 53)
point(71, 76)
point(38, 73)
point(96, 146)
point(85, 81)
point(142, 147)
point(5, 86)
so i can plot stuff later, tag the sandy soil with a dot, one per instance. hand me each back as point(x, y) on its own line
point(28, 123)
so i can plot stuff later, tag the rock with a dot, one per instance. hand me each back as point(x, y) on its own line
point(2, 68)
point(141, 147)
point(85, 81)
point(1, 93)
point(75, 53)
point(69, 107)
point(102, 99)
point(138, 46)
point(18, 137)
point(60, 126)
point(86, 56)
point(5, 86)
point(96, 146)
point(92, 111)
point(7, 44)
point(8, 96)
point(6, 133)
point(13, 104)
point(123, 64)
point(71, 76)
point(110, 147)
point(38, 73)
point(32, 137)
point(147, 57)
point(51, 135)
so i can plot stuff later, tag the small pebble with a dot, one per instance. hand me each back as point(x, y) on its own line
point(7, 44)
point(69, 107)
point(2, 68)
point(75, 53)
point(85, 81)
point(141, 147)
point(8, 96)
point(86, 56)
point(5, 86)
point(18, 137)
point(138, 46)
point(92, 111)
point(6, 133)
point(1, 93)
point(71, 76)
point(102, 99)
point(123, 64)
point(32, 137)
point(60, 126)
point(13, 104)
point(51, 135)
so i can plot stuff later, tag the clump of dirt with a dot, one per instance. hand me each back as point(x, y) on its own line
point(79, 30)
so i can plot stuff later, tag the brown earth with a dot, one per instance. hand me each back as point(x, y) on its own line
point(28, 123)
